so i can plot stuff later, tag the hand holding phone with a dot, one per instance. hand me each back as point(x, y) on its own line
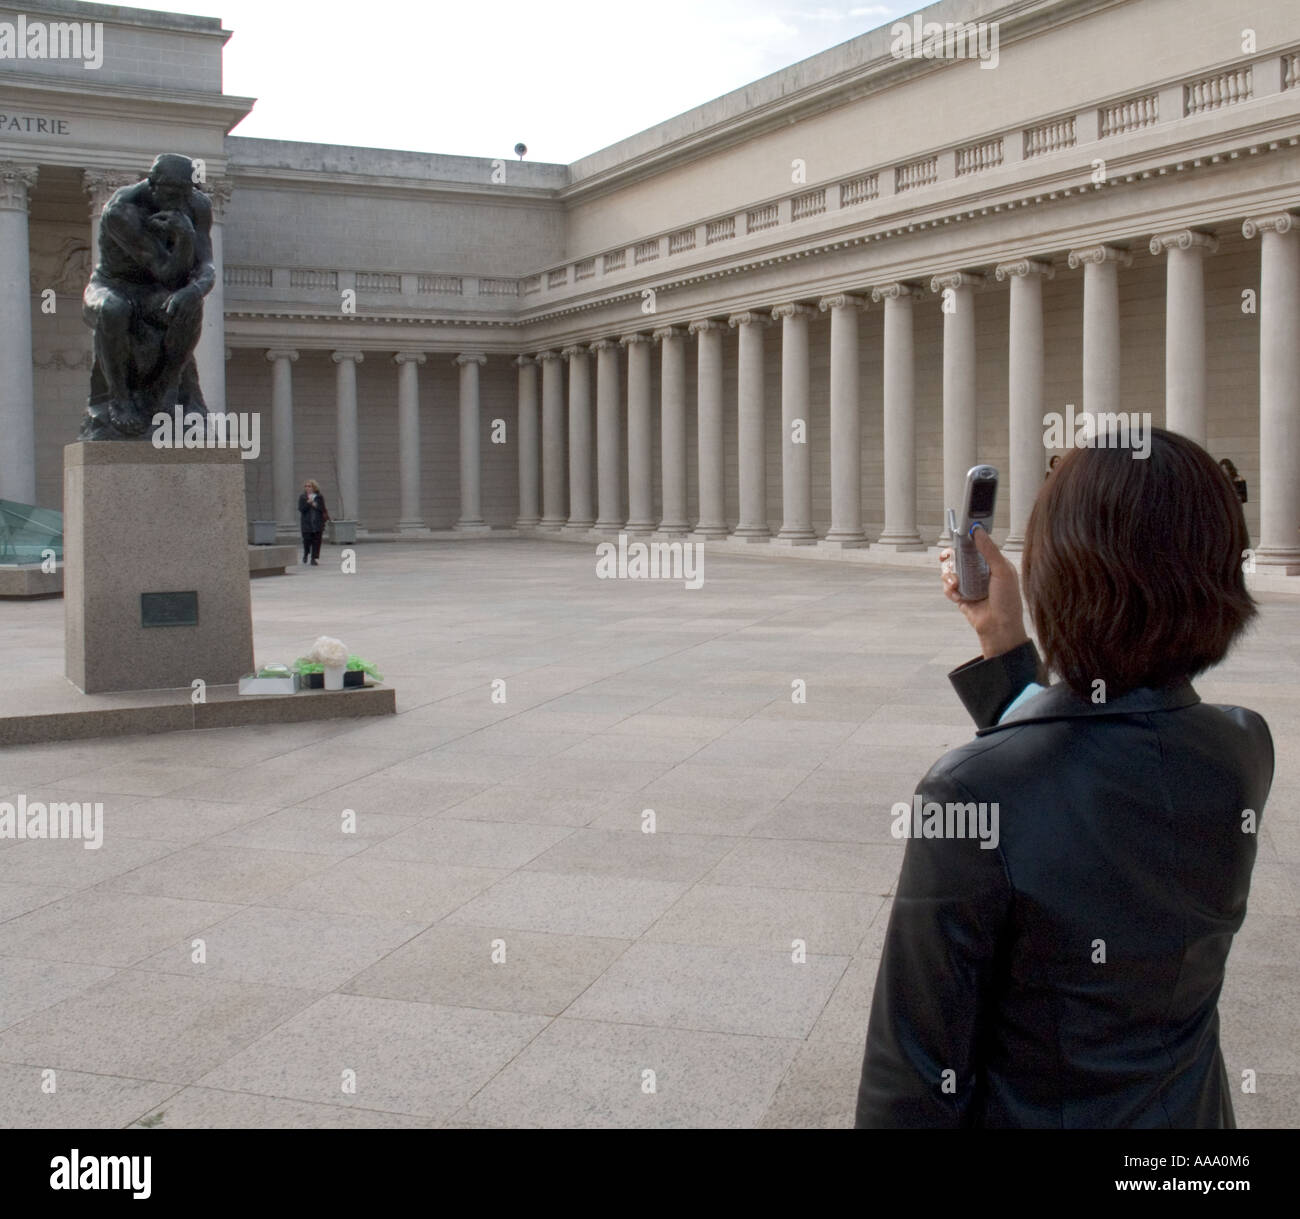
point(978, 500)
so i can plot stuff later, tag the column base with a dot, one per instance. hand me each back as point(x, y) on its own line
point(472, 527)
point(578, 526)
point(528, 522)
point(899, 543)
point(413, 529)
point(844, 541)
point(1276, 561)
point(670, 533)
point(551, 524)
point(608, 528)
point(796, 539)
point(751, 533)
point(708, 533)
point(643, 528)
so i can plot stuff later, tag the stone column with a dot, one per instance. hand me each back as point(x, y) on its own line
point(1185, 387)
point(17, 392)
point(640, 441)
point(845, 530)
point(210, 354)
point(708, 426)
point(582, 515)
point(1025, 390)
point(408, 364)
point(471, 470)
point(846, 424)
point(101, 185)
point(958, 303)
point(609, 479)
point(527, 439)
point(1101, 265)
point(672, 429)
point(796, 438)
point(1279, 391)
point(554, 514)
point(284, 481)
point(900, 419)
point(752, 472)
point(348, 460)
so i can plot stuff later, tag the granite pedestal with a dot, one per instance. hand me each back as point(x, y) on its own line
point(155, 567)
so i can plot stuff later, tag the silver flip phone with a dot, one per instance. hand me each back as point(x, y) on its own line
point(977, 505)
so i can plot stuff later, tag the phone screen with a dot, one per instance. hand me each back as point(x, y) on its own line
point(982, 497)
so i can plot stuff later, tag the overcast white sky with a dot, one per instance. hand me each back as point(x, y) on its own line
point(474, 77)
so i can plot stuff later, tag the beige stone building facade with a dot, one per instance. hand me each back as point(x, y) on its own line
point(795, 315)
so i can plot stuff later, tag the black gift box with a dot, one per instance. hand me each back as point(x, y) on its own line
point(351, 679)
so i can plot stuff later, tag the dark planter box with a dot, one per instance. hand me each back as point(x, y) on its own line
point(351, 679)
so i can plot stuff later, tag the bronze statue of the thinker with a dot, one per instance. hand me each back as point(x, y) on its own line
point(145, 302)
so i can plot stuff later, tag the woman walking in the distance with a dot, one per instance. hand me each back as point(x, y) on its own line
point(1070, 976)
point(312, 511)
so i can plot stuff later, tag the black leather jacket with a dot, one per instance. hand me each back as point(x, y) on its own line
point(1070, 976)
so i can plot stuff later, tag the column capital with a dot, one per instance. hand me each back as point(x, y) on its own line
point(15, 181)
point(281, 353)
point(1276, 222)
point(470, 357)
point(956, 279)
point(525, 362)
point(842, 300)
point(665, 333)
point(602, 345)
point(219, 191)
point(705, 324)
point(748, 318)
point(357, 357)
point(1184, 239)
point(102, 184)
point(792, 309)
point(574, 351)
point(627, 340)
point(1022, 268)
point(544, 357)
point(409, 357)
point(1099, 254)
point(896, 290)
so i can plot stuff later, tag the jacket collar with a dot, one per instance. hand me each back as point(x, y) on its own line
point(1059, 702)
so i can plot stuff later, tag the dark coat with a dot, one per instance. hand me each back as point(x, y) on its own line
point(314, 515)
point(1119, 822)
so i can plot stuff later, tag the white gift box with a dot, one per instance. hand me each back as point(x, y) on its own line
point(283, 684)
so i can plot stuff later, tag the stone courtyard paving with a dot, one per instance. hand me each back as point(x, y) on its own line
point(484, 826)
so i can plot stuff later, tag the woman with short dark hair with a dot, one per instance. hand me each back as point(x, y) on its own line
point(1065, 970)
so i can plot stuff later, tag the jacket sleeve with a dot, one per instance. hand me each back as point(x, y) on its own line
point(987, 687)
point(937, 982)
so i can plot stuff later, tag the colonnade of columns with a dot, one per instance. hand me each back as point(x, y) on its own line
point(1185, 381)
point(347, 503)
point(544, 442)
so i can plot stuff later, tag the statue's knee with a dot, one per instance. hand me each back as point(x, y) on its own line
point(114, 313)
